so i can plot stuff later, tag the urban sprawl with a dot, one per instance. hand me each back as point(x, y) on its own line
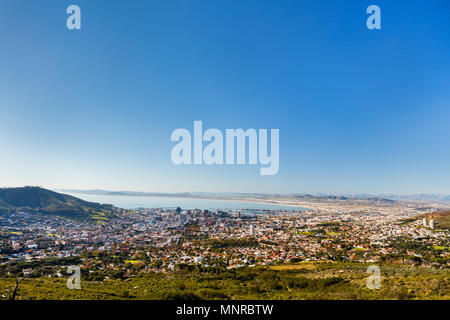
point(159, 240)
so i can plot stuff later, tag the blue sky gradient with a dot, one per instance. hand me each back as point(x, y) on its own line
point(359, 111)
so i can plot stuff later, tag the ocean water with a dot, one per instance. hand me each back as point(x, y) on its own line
point(132, 202)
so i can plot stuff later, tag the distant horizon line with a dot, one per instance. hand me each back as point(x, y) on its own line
point(318, 194)
point(348, 194)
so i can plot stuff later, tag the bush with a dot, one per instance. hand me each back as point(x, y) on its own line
point(181, 296)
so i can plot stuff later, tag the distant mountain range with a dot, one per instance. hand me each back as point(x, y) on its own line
point(240, 195)
point(421, 197)
point(226, 195)
point(47, 202)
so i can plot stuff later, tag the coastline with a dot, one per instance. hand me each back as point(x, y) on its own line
point(275, 203)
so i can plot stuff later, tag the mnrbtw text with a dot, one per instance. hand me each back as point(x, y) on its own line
point(235, 147)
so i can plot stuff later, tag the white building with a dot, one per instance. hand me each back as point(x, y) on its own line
point(198, 259)
point(425, 224)
point(252, 230)
point(432, 224)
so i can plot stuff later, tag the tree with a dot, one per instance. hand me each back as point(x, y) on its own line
point(12, 295)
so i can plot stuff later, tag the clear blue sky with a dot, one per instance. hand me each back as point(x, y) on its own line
point(358, 110)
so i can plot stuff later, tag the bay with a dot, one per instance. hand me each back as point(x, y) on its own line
point(132, 202)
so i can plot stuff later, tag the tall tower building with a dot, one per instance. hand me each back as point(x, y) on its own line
point(432, 224)
point(252, 230)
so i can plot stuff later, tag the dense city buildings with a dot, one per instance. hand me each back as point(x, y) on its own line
point(161, 239)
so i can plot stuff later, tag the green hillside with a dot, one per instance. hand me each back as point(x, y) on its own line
point(39, 200)
point(441, 218)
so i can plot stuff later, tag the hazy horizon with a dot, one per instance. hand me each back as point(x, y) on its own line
point(358, 194)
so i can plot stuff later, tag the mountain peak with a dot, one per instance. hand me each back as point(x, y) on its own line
point(39, 200)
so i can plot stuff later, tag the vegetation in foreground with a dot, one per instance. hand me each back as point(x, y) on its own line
point(297, 281)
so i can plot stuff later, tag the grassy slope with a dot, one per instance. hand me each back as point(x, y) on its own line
point(325, 281)
point(442, 219)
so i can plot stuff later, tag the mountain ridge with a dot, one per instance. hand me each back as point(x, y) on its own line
point(47, 202)
point(226, 195)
